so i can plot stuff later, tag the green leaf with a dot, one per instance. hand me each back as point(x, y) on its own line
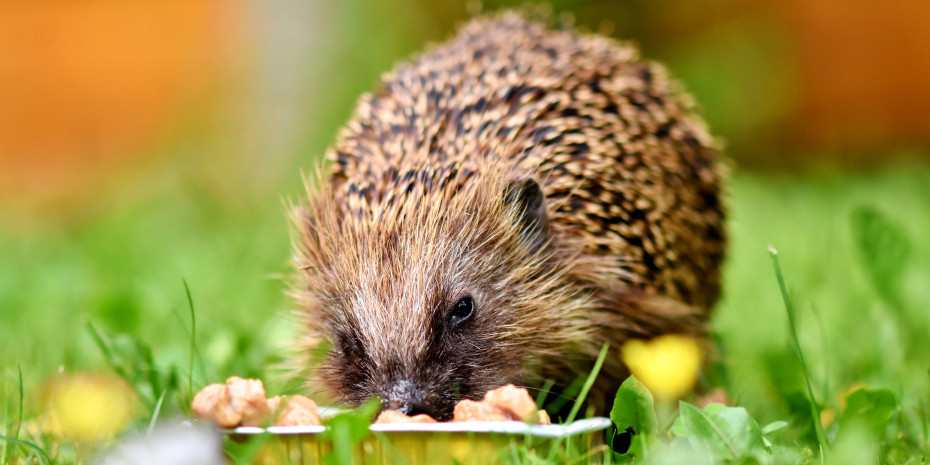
point(854, 447)
point(730, 433)
point(677, 451)
point(348, 429)
point(774, 426)
point(884, 249)
point(634, 408)
point(869, 408)
point(770, 428)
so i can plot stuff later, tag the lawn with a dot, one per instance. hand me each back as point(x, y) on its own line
point(107, 293)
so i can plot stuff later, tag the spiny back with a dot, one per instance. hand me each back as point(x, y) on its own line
point(624, 164)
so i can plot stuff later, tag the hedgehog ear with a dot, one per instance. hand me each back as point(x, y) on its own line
point(530, 203)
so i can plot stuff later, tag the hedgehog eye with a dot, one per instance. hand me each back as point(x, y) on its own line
point(463, 310)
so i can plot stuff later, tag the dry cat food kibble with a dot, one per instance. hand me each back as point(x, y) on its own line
point(516, 402)
point(242, 402)
point(469, 410)
point(297, 411)
point(393, 416)
point(502, 404)
point(238, 402)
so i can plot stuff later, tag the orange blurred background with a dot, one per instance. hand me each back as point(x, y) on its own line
point(95, 95)
point(865, 70)
point(87, 87)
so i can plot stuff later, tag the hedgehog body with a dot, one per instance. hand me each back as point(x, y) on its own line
point(499, 209)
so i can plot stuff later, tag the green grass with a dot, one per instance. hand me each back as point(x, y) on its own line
point(147, 277)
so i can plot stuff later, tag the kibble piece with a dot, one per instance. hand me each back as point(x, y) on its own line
point(247, 397)
point(514, 400)
point(393, 416)
point(238, 402)
point(205, 400)
point(542, 417)
point(274, 403)
point(469, 410)
point(224, 414)
point(297, 411)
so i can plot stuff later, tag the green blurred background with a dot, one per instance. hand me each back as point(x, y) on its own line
point(148, 143)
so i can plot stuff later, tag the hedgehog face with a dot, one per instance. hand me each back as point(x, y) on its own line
point(439, 354)
point(424, 310)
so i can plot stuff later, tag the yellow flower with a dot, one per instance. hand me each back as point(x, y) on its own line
point(89, 407)
point(667, 365)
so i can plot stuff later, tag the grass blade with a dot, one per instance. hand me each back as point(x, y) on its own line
point(581, 396)
point(588, 383)
point(157, 411)
point(107, 350)
point(42, 454)
point(564, 396)
point(190, 305)
point(922, 413)
point(543, 392)
point(792, 324)
point(19, 419)
point(825, 347)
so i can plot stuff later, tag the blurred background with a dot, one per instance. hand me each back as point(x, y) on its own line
point(101, 98)
point(147, 143)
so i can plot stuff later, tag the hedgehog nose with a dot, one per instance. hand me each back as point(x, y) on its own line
point(409, 408)
point(414, 408)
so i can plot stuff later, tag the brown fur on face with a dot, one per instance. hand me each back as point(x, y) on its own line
point(383, 282)
point(556, 180)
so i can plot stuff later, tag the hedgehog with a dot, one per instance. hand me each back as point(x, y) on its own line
point(499, 209)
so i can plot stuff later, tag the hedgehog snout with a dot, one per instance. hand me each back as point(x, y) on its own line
point(406, 397)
